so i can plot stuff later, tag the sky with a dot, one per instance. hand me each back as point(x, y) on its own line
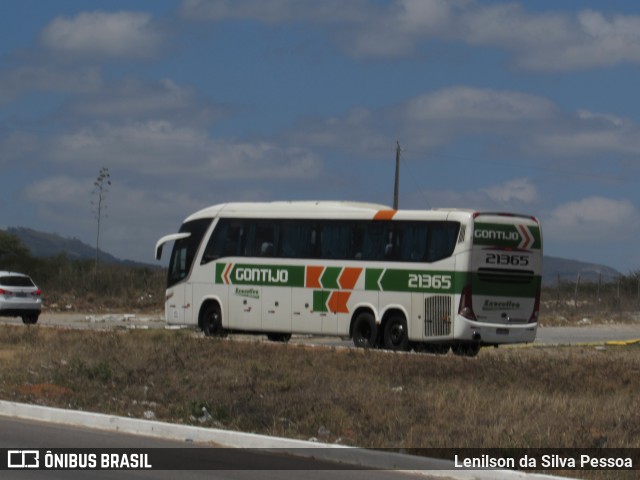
point(528, 107)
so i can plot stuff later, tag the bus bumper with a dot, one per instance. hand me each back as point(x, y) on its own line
point(492, 333)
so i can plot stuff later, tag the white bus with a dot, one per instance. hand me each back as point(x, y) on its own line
point(431, 280)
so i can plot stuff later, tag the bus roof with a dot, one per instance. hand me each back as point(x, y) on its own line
point(300, 209)
point(338, 210)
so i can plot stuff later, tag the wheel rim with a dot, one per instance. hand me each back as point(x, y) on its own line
point(396, 334)
point(365, 331)
point(364, 334)
point(210, 323)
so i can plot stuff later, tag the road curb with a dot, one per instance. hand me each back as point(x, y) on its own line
point(225, 438)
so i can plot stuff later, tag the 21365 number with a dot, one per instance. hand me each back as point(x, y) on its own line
point(507, 259)
point(425, 280)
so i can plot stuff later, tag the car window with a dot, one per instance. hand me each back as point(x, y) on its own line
point(16, 281)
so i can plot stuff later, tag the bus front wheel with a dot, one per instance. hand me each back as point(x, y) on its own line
point(279, 337)
point(212, 322)
point(365, 330)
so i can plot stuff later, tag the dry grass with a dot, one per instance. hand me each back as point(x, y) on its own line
point(569, 397)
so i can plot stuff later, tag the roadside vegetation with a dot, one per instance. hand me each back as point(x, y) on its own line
point(81, 286)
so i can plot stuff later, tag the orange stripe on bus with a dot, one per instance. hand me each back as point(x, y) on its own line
point(313, 277)
point(225, 274)
point(349, 277)
point(384, 214)
point(337, 302)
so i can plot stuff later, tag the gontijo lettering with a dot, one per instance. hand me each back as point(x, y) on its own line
point(496, 235)
point(261, 275)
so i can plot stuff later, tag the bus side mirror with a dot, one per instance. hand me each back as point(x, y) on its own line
point(159, 252)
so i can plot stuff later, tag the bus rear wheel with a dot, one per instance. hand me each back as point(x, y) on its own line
point(212, 322)
point(396, 336)
point(466, 349)
point(365, 330)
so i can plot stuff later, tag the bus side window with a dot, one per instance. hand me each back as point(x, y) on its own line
point(299, 239)
point(442, 240)
point(379, 242)
point(414, 242)
point(225, 241)
point(262, 239)
point(336, 240)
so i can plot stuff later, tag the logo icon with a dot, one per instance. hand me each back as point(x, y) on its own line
point(23, 459)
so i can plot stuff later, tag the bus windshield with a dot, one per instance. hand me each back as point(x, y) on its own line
point(184, 250)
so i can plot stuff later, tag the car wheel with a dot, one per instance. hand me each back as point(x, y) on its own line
point(30, 319)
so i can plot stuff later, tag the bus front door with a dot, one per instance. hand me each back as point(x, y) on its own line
point(180, 305)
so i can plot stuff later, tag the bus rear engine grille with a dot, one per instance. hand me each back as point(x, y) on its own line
point(437, 316)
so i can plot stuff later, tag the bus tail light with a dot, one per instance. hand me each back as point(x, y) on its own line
point(536, 309)
point(466, 304)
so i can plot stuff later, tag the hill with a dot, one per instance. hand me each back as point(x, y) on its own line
point(43, 244)
point(562, 269)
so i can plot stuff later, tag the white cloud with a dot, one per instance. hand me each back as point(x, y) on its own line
point(276, 11)
point(133, 98)
point(519, 190)
point(520, 124)
point(48, 78)
point(592, 220)
point(162, 148)
point(589, 134)
point(58, 190)
point(516, 195)
point(102, 34)
point(478, 105)
point(549, 41)
point(433, 119)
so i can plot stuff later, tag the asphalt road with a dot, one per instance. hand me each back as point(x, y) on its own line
point(546, 335)
point(583, 334)
point(216, 463)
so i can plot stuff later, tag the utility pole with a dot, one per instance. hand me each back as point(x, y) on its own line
point(397, 182)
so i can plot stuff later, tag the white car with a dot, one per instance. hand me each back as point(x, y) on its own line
point(19, 297)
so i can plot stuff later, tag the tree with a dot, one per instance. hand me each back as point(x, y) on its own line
point(11, 245)
point(103, 181)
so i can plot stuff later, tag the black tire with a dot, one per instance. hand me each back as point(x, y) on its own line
point(365, 330)
point(212, 322)
point(436, 348)
point(466, 349)
point(279, 337)
point(396, 334)
point(30, 319)
point(440, 348)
